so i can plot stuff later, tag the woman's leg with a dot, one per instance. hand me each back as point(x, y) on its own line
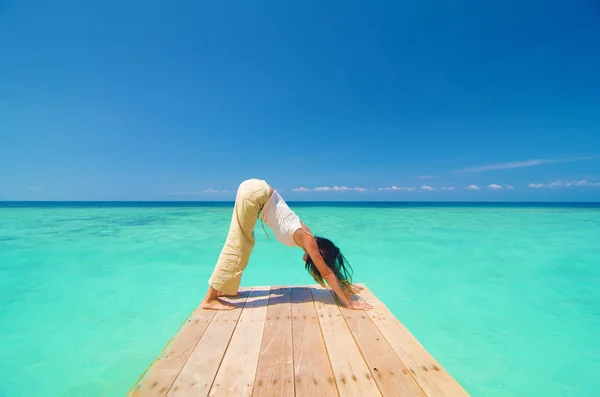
point(225, 280)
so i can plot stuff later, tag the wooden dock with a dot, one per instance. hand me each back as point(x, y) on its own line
point(295, 341)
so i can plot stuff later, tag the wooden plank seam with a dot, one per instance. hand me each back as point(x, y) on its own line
point(262, 335)
point(323, 337)
point(337, 301)
point(306, 328)
point(410, 373)
point(444, 384)
point(398, 349)
point(165, 351)
point(231, 336)
point(370, 320)
point(243, 304)
point(285, 300)
point(341, 389)
point(292, 339)
point(191, 350)
point(252, 312)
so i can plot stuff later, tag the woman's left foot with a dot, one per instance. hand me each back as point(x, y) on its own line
point(223, 295)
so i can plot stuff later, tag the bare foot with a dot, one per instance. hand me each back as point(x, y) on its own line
point(221, 294)
point(217, 304)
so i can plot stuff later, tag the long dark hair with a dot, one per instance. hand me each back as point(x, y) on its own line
point(335, 261)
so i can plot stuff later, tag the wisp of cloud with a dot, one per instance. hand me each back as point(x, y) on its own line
point(527, 163)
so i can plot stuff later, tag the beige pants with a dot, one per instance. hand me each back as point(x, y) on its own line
point(250, 199)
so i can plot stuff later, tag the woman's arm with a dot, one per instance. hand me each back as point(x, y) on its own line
point(312, 249)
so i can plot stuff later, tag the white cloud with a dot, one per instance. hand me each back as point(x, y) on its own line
point(509, 187)
point(339, 189)
point(565, 184)
point(215, 191)
point(494, 186)
point(472, 187)
point(300, 189)
point(586, 183)
point(409, 189)
point(526, 163)
point(426, 187)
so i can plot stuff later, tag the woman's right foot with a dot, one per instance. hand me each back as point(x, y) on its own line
point(217, 304)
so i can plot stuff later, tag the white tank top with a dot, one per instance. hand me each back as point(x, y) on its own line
point(281, 219)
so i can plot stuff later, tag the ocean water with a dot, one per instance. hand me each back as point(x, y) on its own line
point(506, 297)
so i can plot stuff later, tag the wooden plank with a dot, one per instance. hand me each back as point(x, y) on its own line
point(236, 374)
point(198, 374)
point(429, 374)
point(352, 375)
point(161, 374)
point(275, 371)
point(312, 370)
point(391, 375)
point(208, 350)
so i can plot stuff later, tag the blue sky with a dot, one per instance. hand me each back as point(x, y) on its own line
point(183, 100)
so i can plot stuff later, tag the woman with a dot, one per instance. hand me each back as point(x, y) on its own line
point(322, 258)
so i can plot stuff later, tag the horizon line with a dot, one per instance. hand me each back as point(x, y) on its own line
point(299, 201)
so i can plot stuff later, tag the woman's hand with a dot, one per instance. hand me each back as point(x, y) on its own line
point(354, 305)
point(356, 289)
point(309, 245)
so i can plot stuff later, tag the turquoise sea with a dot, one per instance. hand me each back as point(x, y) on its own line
point(505, 296)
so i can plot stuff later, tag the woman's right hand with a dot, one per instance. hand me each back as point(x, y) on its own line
point(354, 305)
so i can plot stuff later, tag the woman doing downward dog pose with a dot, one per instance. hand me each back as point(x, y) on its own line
point(323, 260)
